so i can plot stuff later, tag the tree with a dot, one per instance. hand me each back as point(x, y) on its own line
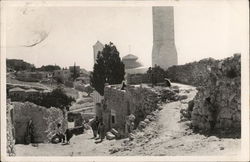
point(107, 69)
point(57, 98)
point(156, 74)
point(49, 68)
point(75, 74)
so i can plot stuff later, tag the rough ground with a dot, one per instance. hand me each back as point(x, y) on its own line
point(165, 136)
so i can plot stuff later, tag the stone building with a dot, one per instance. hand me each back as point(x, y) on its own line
point(119, 104)
point(97, 47)
point(44, 121)
point(63, 74)
point(164, 52)
point(17, 94)
point(31, 76)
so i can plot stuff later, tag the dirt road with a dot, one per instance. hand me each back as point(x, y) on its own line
point(165, 136)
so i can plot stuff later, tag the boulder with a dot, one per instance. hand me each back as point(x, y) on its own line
point(110, 136)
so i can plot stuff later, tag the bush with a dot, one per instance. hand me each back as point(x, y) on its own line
point(57, 98)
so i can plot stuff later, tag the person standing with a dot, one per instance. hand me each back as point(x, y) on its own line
point(94, 125)
point(29, 136)
point(101, 130)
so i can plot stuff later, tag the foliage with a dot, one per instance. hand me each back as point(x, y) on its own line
point(57, 98)
point(107, 69)
point(156, 74)
point(49, 68)
point(19, 65)
point(75, 74)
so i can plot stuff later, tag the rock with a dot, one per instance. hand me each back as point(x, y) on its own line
point(222, 148)
point(182, 97)
point(115, 132)
point(114, 150)
point(142, 125)
point(212, 138)
point(110, 136)
point(147, 121)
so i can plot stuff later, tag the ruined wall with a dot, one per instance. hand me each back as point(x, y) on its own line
point(10, 130)
point(45, 121)
point(134, 100)
point(217, 105)
point(194, 73)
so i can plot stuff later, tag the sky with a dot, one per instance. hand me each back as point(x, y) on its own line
point(64, 35)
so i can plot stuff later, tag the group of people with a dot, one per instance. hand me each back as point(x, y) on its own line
point(60, 136)
point(98, 128)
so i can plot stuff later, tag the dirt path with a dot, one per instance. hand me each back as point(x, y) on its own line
point(164, 137)
point(175, 138)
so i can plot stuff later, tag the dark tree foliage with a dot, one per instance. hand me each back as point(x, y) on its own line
point(75, 74)
point(19, 65)
point(49, 68)
point(156, 74)
point(108, 68)
point(57, 98)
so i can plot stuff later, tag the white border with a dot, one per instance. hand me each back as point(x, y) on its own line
point(244, 156)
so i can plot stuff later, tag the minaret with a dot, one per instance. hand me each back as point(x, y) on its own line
point(98, 46)
point(164, 52)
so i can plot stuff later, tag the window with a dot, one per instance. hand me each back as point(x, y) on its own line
point(113, 119)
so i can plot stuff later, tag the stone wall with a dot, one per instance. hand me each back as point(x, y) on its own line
point(136, 100)
point(10, 130)
point(217, 105)
point(45, 121)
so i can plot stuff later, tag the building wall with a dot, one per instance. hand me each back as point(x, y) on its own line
point(31, 76)
point(64, 75)
point(164, 52)
point(45, 121)
point(121, 103)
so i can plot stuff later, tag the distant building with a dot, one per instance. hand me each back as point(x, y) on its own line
point(130, 61)
point(97, 47)
point(164, 52)
point(64, 75)
point(31, 76)
point(17, 94)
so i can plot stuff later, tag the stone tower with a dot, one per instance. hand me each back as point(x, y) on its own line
point(98, 46)
point(164, 52)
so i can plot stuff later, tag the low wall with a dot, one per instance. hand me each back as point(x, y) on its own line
point(217, 105)
point(45, 121)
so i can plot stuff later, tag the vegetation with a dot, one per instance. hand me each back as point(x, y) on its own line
point(156, 74)
point(49, 68)
point(107, 69)
point(75, 74)
point(19, 65)
point(57, 98)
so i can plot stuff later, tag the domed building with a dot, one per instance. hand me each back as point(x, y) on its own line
point(132, 66)
point(130, 61)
